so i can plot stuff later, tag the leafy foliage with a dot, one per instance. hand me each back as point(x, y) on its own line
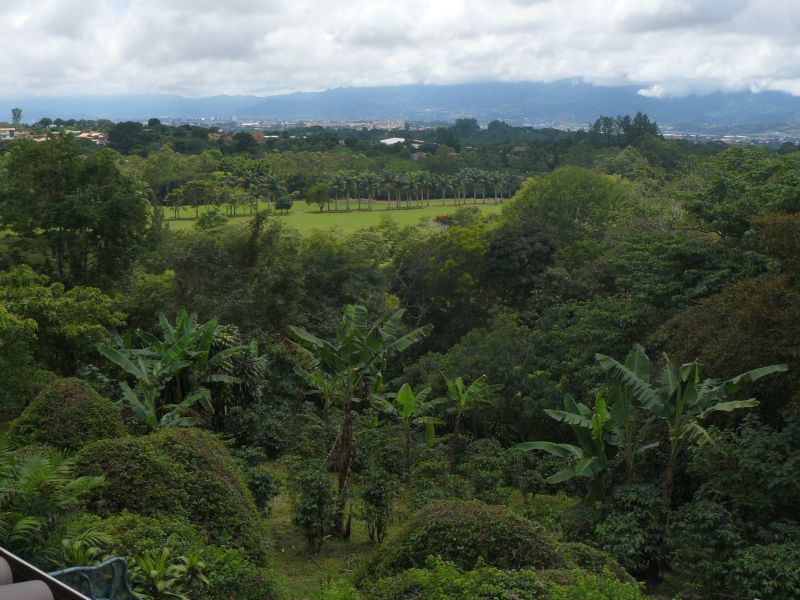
point(182, 472)
point(751, 471)
point(632, 528)
point(67, 414)
point(40, 494)
point(378, 491)
point(314, 507)
point(464, 532)
point(171, 374)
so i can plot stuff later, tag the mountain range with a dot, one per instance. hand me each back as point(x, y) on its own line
point(561, 104)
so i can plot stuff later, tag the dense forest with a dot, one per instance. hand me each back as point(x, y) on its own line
point(593, 393)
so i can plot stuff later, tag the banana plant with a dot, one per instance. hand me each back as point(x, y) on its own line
point(171, 373)
point(596, 433)
point(412, 409)
point(631, 427)
point(351, 365)
point(462, 400)
point(682, 399)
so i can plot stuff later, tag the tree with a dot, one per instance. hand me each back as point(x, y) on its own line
point(320, 194)
point(17, 336)
point(570, 204)
point(355, 361)
point(682, 399)
point(463, 400)
point(16, 116)
point(284, 203)
point(125, 137)
point(58, 326)
point(91, 218)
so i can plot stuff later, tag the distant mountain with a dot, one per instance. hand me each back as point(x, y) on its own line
point(563, 103)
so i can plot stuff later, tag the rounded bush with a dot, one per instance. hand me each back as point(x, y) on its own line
point(229, 572)
point(178, 472)
point(67, 414)
point(586, 558)
point(463, 533)
point(445, 581)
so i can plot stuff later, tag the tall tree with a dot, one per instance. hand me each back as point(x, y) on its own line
point(90, 216)
point(16, 116)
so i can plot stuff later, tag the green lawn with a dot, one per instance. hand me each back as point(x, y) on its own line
point(302, 573)
point(304, 218)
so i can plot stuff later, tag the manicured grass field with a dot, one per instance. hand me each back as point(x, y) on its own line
point(304, 218)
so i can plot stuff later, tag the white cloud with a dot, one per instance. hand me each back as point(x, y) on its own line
point(204, 47)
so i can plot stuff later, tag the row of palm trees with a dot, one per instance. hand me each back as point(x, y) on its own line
point(391, 188)
point(418, 187)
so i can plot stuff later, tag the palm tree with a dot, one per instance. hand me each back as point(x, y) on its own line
point(355, 361)
point(371, 182)
point(463, 400)
point(356, 180)
point(426, 181)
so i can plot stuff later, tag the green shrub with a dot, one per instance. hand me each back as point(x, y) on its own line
point(179, 472)
point(487, 465)
point(313, 504)
point(751, 470)
point(632, 528)
point(588, 586)
point(260, 426)
point(67, 414)
point(550, 511)
point(586, 558)
point(379, 448)
point(230, 573)
point(441, 580)
point(264, 486)
point(770, 572)
point(530, 470)
point(463, 533)
point(702, 536)
point(377, 494)
point(339, 589)
point(134, 534)
point(432, 480)
point(211, 218)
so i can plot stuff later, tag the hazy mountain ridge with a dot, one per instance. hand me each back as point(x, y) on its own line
point(561, 103)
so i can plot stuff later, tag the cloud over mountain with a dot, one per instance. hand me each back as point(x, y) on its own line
point(204, 47)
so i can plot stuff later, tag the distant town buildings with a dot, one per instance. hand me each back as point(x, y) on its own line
point(97, 137)
point(398, 140)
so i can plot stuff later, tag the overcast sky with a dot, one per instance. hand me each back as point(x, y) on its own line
point(209, 47)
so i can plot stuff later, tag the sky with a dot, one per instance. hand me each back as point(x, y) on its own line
point(210, 47)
